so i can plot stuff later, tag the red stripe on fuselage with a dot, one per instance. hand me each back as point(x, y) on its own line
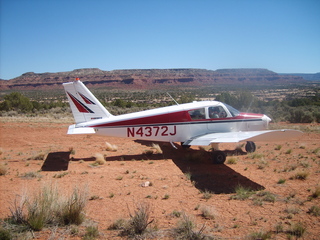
point(166, 118)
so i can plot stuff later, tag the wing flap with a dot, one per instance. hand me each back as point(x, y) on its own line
point(256, 136)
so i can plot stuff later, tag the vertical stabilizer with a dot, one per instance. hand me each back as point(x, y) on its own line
point(84, 105)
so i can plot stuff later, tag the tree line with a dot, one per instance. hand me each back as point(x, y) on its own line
point(294, 110)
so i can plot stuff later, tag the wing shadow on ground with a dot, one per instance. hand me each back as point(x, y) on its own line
point(216, 178)
point(193, 163)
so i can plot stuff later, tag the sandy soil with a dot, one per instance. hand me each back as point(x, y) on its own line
point(179, 179)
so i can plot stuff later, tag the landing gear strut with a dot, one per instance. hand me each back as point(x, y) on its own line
point(250, 147)
point(218, 157)
point(185, 146)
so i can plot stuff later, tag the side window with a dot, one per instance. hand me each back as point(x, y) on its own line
point(217, 112)
point(197, 114)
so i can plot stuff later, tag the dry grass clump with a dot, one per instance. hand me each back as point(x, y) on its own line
point(316, 193)
point(30, 175)
point(48, 207)
point(157, 148)
point(206, 194)
point(232, 160)
point(314, 211)
point(262, 235)
point(92, 232)
point(302, 175)
point(39, 156)
point(137, 224)
point(207, 212)
point(3, 169)
point(111, 147)
point(186, 229)
point(100, 160)
point(242, 193)
point(297, 230)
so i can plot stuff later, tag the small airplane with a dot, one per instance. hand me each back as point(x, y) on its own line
point(201, 123)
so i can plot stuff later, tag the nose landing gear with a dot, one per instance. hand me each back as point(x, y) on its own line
point(250, 147)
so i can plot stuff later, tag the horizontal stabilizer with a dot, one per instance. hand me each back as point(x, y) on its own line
point(80, 130)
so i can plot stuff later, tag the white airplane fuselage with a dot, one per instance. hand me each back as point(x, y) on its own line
point(178, 123)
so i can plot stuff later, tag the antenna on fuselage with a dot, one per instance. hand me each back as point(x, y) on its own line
point(172, 98)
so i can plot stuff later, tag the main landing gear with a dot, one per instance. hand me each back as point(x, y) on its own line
point(219, 157)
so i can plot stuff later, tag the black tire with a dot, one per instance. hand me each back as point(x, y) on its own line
point(185, 146)
point(250, 147)
point(218, 157)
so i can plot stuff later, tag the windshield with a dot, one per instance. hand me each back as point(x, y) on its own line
point(234, 112)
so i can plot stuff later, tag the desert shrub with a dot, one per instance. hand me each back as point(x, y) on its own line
point(48, 206)
point(256, 155)
point(100, 160)
point(232, 160)
point(314, 211)
point(118, 224)
point(278, 147)
point(186, 229)
point(242, 193)
point(300, 175)
point(297, 230)
point(176, 214)
point(316, 192)
point(16, 101)
point(206, 194)
point(266, 196)
point(72, 209)
point(289, 151)
point(5, 234)
point(29, 175)
point(300, 115)
point(157, 148)
point(41, 208)
point(92, 232)
point(259, 235)
point(111, 147)
point(207, 212)
point(281, 181)
point(148, 152)
point(139, 221)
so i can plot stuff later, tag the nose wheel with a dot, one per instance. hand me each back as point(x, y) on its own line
point(250, 147)
point(218, 157)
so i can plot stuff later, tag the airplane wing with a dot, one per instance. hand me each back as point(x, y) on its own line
point(255, 136)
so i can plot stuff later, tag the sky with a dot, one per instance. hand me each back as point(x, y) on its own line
point(62, 35)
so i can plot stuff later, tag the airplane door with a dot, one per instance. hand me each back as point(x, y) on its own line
point(219, 119)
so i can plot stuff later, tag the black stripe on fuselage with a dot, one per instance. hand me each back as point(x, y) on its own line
point(184, 123)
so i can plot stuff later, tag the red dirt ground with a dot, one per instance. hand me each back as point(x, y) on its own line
point(128, 167)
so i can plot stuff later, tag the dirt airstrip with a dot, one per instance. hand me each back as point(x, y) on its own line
point(181, 181)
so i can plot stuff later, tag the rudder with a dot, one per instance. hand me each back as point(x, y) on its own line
point(84, 105)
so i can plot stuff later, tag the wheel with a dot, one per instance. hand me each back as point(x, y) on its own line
point(185, 146)
point(250, 147)
point(218, 157)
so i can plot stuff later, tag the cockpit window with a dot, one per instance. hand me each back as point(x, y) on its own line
point(197, 114)
point(217, 112)
point(234, 112)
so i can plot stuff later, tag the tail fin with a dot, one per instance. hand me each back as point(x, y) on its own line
point(84, 105)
